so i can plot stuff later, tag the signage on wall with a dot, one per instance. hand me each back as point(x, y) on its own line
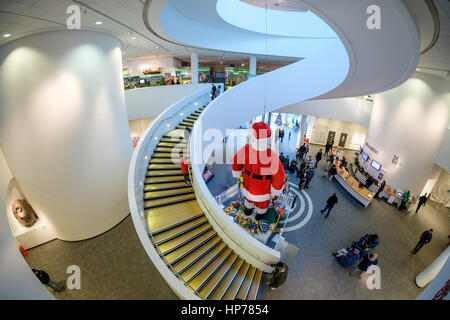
point(395, 160)
point(371, 148)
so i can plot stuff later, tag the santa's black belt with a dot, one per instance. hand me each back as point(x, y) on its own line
point(257, 176)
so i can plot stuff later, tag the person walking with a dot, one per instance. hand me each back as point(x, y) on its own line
point(302, 178)
point(405, 200)
point(45, 279)
point(213, 92)
point(295, 200)
point(422, 202)
point(330, 204)
point(185, 170)
point(289, 137)
point(368, 260)
point(380, 189)
point(424, 239)
point(318, 158)
point(279, 276)
point(281, 135)
point(309, 176)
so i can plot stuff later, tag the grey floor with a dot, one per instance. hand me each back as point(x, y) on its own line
point(115, 266)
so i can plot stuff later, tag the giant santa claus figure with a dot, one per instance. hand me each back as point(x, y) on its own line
point(262, 171)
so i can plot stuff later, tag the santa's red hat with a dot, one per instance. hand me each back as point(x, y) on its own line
point(261, 133)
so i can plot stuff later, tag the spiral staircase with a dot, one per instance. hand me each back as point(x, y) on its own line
point(181, 233)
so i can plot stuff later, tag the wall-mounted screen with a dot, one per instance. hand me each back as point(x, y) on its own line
point(365, 156)
point(376, 165)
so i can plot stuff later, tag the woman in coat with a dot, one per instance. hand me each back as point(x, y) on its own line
point(279, 275)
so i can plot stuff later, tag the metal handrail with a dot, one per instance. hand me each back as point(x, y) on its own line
point(437, 25)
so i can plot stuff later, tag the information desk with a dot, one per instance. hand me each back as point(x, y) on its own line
point(350, 184)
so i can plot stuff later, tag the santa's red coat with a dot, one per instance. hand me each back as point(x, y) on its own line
point(262, 171)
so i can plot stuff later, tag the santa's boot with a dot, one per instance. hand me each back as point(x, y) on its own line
point(260, 215)
point(248, 211)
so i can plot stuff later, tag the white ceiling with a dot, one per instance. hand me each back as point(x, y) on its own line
point(437, 60)
point(284, 5)
point(124, 19)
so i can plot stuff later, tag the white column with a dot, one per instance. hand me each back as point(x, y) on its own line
point(253, 66)
point(301, 133)
point(194, 67)
point(64, 128)
point(427, 275)
point(409, 122)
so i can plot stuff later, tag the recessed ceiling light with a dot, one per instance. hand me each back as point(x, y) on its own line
point(157, 47)
point(417, 69)
point(6, 35)
point(133, 38)
point(98, 22)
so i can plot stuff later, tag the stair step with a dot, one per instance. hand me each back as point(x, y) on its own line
point(175, 150)
point(245, 288)
point(169, 160)
point(184, 238)
point(171, 144)
point(189, 269)
point(168, 200)
point(254, 290)
point(164, 186)
point(168, 155)
point(233, 289)
point(164, 173)
point(214, 281)
point(199, 279)
point(179, 230)
point(159, 221)
point(226, 282)
point(163, 166)
point(188, 248)
point(164, 179)
point(167, 193)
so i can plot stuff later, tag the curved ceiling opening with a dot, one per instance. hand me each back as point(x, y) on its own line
point(255, 17)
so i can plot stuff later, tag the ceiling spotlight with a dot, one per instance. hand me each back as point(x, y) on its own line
point(221, 62)
point(98, 22)
point(417, 69)
point(181, 114)
point(133, 38)
point(242, 64)
point(6, 35)
point(157, 47)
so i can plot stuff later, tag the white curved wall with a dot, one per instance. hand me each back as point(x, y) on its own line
point(64, 129)
point(354, 110)
point(410, 121)
point(151, 102)
point(17, 281)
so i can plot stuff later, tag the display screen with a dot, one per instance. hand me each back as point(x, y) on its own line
point(399, 194)
point(142, 81)
point(365, 156)
point(376, 165)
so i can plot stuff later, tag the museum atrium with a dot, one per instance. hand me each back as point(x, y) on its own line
point(128, 127)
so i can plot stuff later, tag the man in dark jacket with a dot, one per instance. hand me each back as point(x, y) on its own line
point(45, 279)
point(424, 239)
point(318, 158)
point(279, 275)
point(302, 151)
point(330, 204)
point(380, 189)
point(422, 201)
point(309, 176)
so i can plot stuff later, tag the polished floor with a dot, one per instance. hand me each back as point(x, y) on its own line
point(114, 265)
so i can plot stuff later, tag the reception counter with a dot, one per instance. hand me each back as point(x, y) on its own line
point(349, 183)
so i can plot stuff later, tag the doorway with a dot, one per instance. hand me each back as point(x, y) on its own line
point(331, 135)
point(343, 140)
